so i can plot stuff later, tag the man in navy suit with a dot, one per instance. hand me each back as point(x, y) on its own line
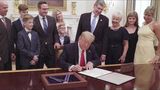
point(28, 44)
point(46, 28)
point(96, 23)
point(16, 27)
point(80, 55)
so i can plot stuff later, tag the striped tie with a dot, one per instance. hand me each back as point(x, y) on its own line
point(45, 26)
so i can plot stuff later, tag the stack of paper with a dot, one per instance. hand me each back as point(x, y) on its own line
point(116, 78)
point(109, 76)
point(95, 72)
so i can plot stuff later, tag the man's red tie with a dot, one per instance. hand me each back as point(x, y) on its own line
point(82, 60)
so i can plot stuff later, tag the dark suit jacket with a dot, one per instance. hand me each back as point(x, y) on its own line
point(5, 41)
point(70, 56)
point(100, 30)
point(16, 27)
point(27, 48)
point(50, 38)
point(66, 40)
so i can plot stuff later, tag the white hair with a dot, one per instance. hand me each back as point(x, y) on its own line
point(117, 14)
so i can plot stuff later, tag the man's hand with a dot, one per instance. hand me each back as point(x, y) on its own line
point(13, 57)
point(35, 57)
point(57, 46)
point(76, 68)
point(103, 58)
point(89, 66)
point(33, 62)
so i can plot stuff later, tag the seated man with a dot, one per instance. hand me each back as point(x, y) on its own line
point(80, 55)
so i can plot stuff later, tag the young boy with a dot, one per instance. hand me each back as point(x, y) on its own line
point(63, 39)
point(28, 44)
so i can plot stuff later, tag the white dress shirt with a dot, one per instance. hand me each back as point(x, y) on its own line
point(29, 34)
point(92, 16)
point(80, 51)
point(41, 20)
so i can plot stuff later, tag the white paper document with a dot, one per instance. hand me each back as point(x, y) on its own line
point(116, 78)
point(95, 72)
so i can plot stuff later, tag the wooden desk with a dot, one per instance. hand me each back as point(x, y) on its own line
point(147, 78)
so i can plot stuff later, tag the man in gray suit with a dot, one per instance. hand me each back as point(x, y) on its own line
point(5, 38)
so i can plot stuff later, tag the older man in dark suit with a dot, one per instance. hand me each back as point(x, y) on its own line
point(46, 28)
point(80, 55)
point(5, 38)
point(96, 23)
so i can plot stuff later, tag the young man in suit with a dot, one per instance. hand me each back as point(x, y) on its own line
point(5, 38)
point(80, 55)
point(28, 44)
point(16, 27)
point(46, 28)
point(96, 23)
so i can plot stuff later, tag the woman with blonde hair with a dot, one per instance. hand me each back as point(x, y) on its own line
point(147, 34)
point(60, 20)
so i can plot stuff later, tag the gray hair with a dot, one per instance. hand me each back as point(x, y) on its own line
point(117, 14)
point(100, 2)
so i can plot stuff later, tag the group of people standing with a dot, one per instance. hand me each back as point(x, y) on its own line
point(35, 41)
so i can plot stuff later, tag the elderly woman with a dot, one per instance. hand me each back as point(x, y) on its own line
point(117, 41)
point(132, 28)
point(147, 34)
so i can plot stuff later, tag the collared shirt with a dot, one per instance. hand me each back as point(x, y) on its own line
point(79, 53)
point(2, 19)
point(21, 20)
point(29, 34)
point(41, 20)
point(92, 16)
point(61, 38)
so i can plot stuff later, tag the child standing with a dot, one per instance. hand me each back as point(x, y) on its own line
point(28, 44)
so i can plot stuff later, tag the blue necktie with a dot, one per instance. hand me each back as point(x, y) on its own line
point(45, 26)
point(93, 24)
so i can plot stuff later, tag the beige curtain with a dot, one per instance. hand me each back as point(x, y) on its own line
point(130, 6)
point(156, 4)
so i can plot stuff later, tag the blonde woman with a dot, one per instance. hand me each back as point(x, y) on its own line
point(147, 34)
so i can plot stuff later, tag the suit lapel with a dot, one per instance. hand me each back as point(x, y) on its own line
point(98, 23)
point(89, 21)
point(19, 24)
point(39, 24)
point(27, 37)
point(2, 24)
point(49, 24)
point(76, 52)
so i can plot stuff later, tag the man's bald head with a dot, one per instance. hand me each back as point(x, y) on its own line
point(3, 8)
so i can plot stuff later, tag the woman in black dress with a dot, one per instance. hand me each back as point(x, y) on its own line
point(132, 28)
point(117, 41)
